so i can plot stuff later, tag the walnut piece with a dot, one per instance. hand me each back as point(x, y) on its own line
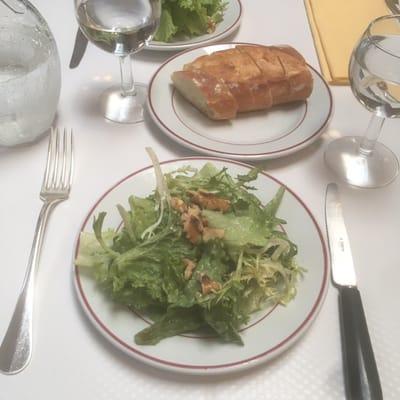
point(192, 224)
point(209, 200)
point(208, 285)
point(178, 204)
point(189, 267)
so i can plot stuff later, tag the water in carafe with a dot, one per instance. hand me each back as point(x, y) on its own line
point(29, 77)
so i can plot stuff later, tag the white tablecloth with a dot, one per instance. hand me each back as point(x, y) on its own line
point(71, 360)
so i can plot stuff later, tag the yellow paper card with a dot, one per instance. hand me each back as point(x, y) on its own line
point(337, 25)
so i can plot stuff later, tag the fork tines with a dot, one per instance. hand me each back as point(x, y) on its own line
point(58, 174)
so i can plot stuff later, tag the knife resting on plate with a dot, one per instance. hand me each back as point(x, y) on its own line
point(360, 370)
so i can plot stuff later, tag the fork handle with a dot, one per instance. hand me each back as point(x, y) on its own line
point(16, 348)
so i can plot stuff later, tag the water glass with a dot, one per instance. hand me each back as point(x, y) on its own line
point(374, 73)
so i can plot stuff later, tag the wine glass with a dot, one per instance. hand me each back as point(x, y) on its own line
point(374, 73)
point(121, 27)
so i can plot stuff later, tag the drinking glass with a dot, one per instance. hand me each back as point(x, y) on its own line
point(121, 27)
point(374, 73)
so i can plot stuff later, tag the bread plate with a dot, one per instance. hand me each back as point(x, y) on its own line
point(231, 22)
point(269, 332)
point(258, 135)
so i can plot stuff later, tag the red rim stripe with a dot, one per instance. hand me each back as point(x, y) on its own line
point(269, 311)
point(108, 333)
point(191, 144)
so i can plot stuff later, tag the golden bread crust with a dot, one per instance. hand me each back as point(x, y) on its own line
point(248, 78)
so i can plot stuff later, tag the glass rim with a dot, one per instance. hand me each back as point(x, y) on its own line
point(370, 36)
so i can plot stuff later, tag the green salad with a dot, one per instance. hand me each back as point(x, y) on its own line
point(201, 251)
point(188, 18)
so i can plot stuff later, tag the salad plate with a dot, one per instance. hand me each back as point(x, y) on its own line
point(269, 331)
point(229, 24)
point(258, 135)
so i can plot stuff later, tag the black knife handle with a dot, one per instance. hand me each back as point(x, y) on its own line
point(352, 367)
point(367, 352)
point(357, 349)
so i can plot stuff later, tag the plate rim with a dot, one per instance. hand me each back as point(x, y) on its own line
point(217, 153)
point(152, 46)
point(257, 359)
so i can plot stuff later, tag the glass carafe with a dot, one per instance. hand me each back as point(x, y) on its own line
point(30, 77)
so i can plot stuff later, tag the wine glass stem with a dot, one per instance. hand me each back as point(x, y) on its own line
point(371, 135)
point(127, 85)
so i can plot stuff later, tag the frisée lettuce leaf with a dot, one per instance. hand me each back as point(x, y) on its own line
point(188, 18)
point(200, 252)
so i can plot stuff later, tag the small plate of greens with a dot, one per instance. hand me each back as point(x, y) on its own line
point(188, 23)
point(201, 265)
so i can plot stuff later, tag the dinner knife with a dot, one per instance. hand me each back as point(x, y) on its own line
point(79, 49)
point(359, 366)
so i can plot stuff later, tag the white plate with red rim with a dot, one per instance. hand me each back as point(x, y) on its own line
point(230, 23)
point(269, 332)
point(258, 135)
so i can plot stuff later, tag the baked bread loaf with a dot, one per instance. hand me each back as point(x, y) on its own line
point(244, 78)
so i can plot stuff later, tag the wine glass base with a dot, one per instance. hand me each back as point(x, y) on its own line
point(124, 109)
point(377, 169)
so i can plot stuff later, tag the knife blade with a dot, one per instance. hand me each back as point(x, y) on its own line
point(358, 355)
point(79, 49)
point(341, 258)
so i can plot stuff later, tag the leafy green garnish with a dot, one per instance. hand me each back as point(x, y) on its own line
point(174, 322)
point(144, 265)
point(188, 18)
point(239, 230)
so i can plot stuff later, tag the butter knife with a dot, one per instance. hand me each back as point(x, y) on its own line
point(359, 366)
point(79, 49)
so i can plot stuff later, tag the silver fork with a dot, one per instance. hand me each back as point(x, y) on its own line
point(16, 348)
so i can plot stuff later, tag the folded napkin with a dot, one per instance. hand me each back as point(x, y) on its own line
point(337, 25)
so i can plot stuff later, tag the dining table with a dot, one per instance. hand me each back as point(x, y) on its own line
point(71, 360)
